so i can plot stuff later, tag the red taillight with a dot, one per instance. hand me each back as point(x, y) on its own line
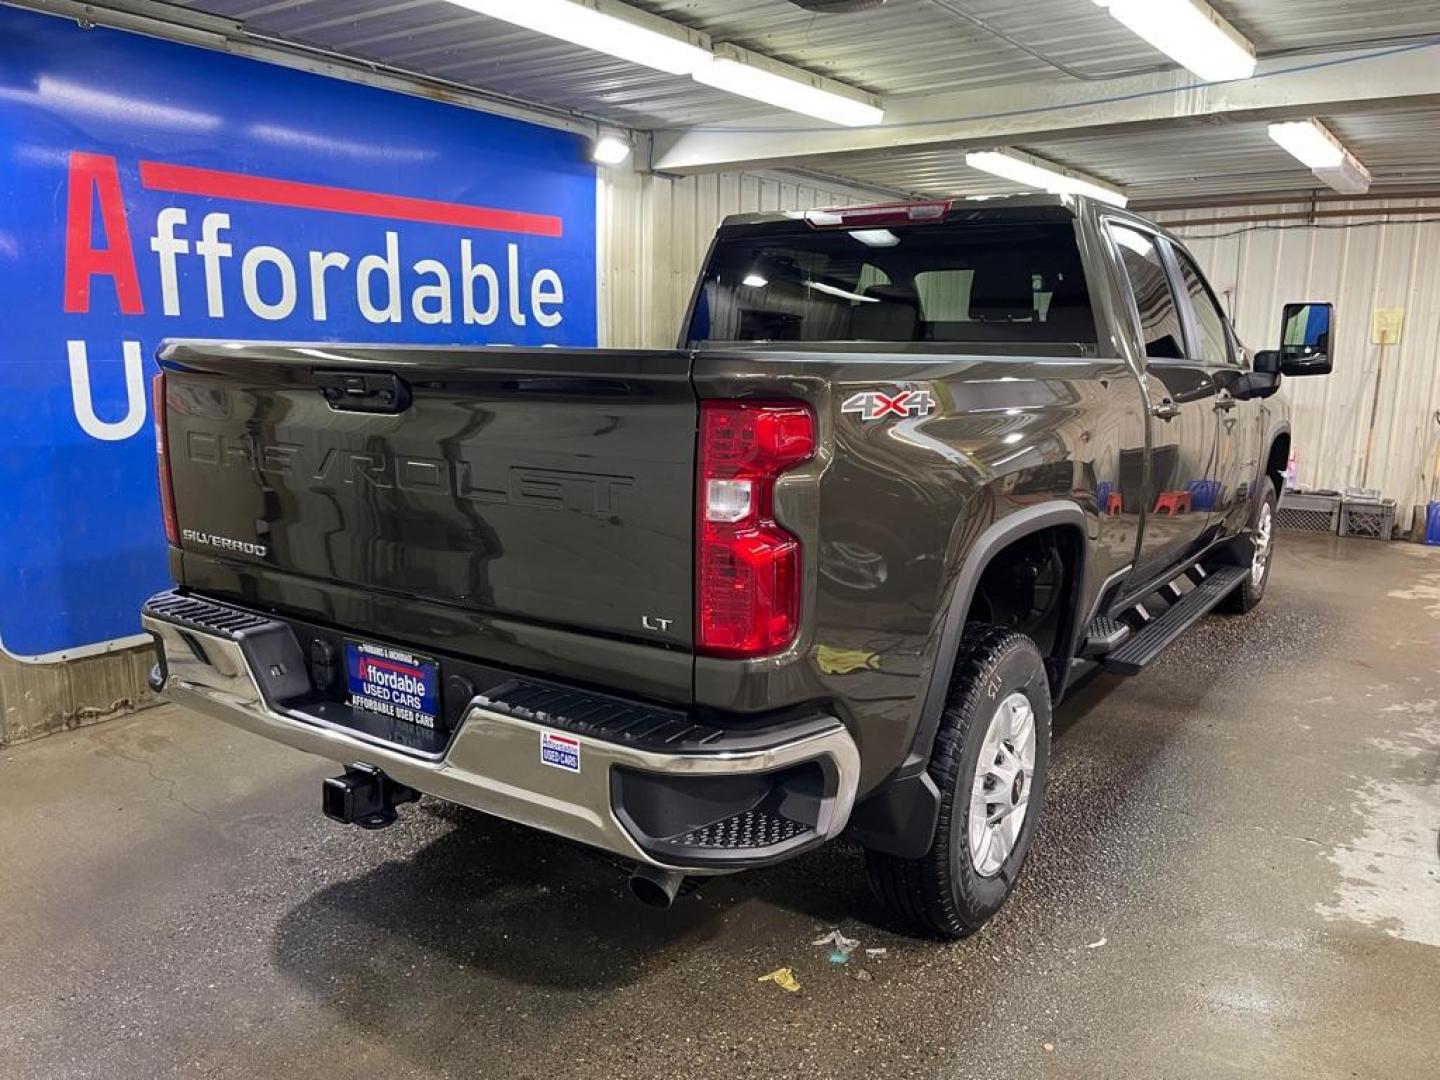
point(748, 584)
point(162, 459)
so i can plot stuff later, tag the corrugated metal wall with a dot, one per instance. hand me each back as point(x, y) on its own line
point(1376, 421)
point(655, 231)
point(39, 699)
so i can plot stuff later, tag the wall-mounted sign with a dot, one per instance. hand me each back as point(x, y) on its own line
point(154, 190)
point(1386, 325)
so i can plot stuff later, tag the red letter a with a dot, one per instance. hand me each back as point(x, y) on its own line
point(90, 173)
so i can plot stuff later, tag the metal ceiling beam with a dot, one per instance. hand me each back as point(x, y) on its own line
point(1430, 213)
point(1282, 198)
point(173, 22)
point(1321, 84)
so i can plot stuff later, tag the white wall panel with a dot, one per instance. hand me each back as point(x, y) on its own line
point(1376, 421)
point(654, 232)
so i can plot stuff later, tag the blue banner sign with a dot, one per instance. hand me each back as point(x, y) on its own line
point(154, 190)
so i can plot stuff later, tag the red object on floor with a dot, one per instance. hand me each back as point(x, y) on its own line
point(1114, 505)
point(1173, 502)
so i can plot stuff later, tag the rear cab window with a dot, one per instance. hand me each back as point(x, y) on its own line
point(991, 278)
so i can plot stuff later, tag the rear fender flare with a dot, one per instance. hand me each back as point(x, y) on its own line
point(996, 537)
point(900, 816)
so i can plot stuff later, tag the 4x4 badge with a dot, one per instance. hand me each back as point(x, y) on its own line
point(873, 405)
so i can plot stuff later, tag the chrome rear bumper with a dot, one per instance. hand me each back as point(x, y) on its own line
point(493, 762)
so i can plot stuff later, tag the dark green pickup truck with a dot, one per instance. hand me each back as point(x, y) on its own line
point(822, 570)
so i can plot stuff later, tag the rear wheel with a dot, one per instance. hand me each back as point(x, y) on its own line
point(990, 762)
point(1251, 589)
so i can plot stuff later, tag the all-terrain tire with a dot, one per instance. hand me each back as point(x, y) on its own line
point(1251, 590)
point(944, 893)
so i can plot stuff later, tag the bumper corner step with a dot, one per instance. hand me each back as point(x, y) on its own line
point(201, 614)
point(750, 830)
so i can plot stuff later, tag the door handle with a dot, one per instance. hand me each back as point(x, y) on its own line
point(1167, 409)
point(1225, 402)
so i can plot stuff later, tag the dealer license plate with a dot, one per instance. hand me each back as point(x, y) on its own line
point(394, 683)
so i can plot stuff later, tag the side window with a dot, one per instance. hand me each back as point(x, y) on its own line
point(1154, 299)
point(1214, 343)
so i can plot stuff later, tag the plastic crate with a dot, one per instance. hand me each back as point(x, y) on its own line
point(1373, 519)
point(1308, 512)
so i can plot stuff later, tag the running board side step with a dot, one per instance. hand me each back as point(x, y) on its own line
point(1151, 640)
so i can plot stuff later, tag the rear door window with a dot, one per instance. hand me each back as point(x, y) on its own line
point(986, 280)
point(1150, 286)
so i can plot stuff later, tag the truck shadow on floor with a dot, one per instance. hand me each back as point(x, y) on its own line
point(524, 909)
point(469, 918)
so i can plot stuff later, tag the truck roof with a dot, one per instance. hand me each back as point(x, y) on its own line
point(1077, 205)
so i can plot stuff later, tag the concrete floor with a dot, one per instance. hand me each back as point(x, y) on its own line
point(1236, 876)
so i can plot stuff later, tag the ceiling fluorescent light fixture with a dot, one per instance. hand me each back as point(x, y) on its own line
point(612, 28)
point(1350, 177)
point(1309, 142)
point(1032, 172)
point(1191, 33)
point(748, 74)
point(1314, 146)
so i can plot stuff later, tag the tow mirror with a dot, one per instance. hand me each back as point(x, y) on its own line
point(1305, 339)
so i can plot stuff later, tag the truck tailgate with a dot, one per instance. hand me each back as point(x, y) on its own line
point(548, 486)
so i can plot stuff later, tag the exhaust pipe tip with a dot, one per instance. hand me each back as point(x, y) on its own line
point(654, 887)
